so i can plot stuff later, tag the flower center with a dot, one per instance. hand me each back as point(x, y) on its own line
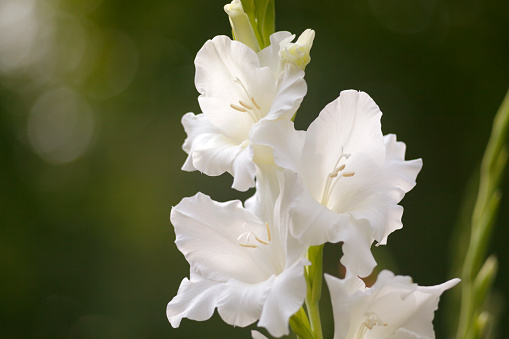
point(251, 107)
point(371, 321)
point(334, 176)
point(251, 240)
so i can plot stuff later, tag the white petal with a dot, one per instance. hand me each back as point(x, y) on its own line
point(357, 240)
point(207, 234)
point(195, 300)
point(209, 151)
point(269, 56)
point(348, 125)
point(257, 335)
point(291, 90)
point(241, 304)
point(286, 297)
point(286, 142)
point(243, 170)
point(400, 173)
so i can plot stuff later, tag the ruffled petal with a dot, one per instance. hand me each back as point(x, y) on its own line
point(209, 151)
point(241, 304)
point(286, 297)
point(196, 299)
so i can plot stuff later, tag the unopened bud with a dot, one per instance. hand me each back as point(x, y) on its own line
point(242, 29)
point(297, 53)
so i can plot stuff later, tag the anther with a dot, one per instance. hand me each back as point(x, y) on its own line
point(333, 175)
point(255, 103)
point(250, 246)
point(340, 168)
point(349, 174)
point(261, 241)
point(268, 230)
point(238, 108)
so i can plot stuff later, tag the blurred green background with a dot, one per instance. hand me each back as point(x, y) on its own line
point(91, 97)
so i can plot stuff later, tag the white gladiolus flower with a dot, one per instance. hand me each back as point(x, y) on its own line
point(351, 177)
point(393, 307)
point(239, 89)
point(247, 266)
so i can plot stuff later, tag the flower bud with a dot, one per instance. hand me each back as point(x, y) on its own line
point(242, 29)
point(297, 53)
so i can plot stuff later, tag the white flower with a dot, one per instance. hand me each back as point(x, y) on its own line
point(245, 265)
point(352, 177)
point(393, 307)
point(239, 88)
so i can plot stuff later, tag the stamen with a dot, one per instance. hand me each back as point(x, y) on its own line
point(253, 109)
point(371, 321)
point(330, 183)
point(245, 105)
point(246, 238)
point(255, 103)
point(261, 241)
point(238, 108)
point(251, 246)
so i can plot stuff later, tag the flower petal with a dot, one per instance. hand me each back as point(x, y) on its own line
point(291, 90)
point(196, 299)
point(207, 234)
point(348, 125)
point(241, 304)
point(285, 141)
point(286, 297)
point(209, 151)
point(269, 56)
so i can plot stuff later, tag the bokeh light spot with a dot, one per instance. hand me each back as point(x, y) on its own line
point(60, 126)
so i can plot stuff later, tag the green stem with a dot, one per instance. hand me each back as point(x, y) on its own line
point(483, 217)
point(314, 275)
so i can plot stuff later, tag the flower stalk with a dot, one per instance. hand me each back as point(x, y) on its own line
point(478, 276)
point(314, 274)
